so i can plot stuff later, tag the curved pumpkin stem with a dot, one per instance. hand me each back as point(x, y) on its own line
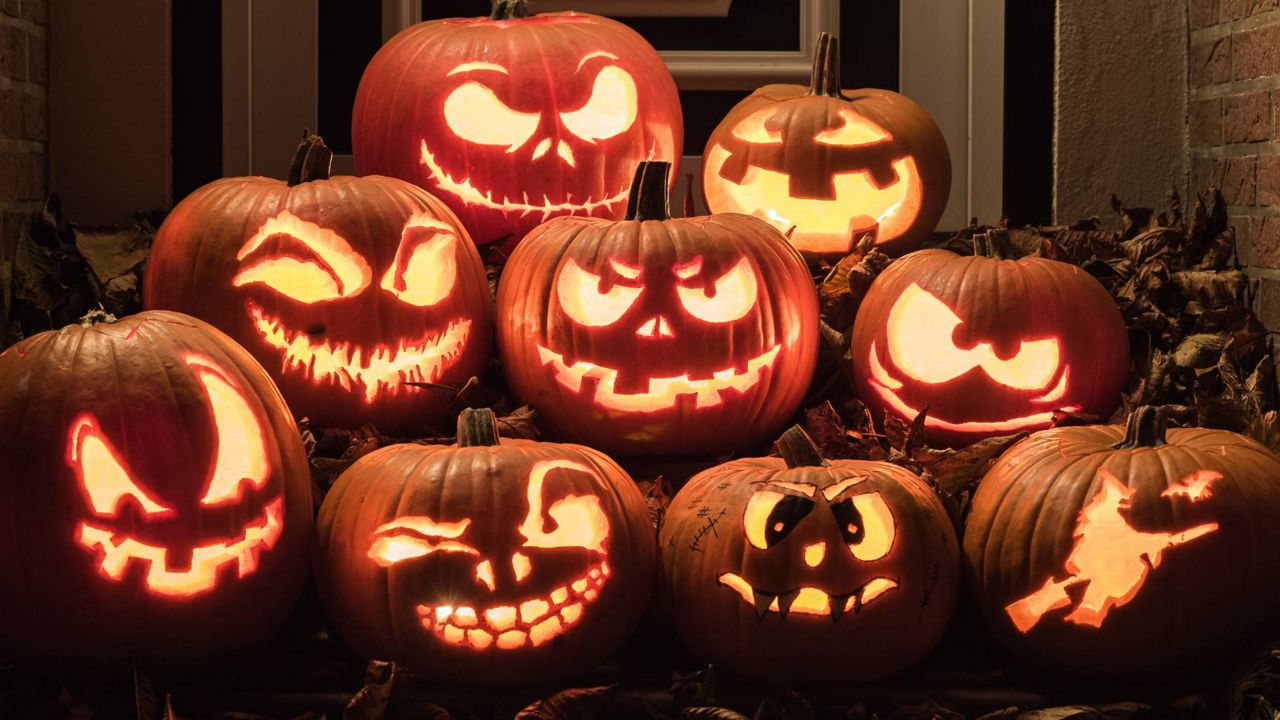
point(477, 427)
point(509, 9)
point(825, 79)
point(1145, 429)
point(313, 160)
point(650, 192)
point(797, 449)
point(994, 244)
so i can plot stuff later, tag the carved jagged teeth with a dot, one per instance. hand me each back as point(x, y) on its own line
point(839, 603)
point(784, 602)
point(762, 601)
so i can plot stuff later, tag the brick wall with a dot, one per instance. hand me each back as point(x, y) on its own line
point(1234, 127)
point(24, 124)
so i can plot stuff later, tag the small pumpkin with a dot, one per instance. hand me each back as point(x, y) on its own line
point(991, 345)
point(653, 335)
point(493, 562)
point(827, 165)
point(1128, 552)
point(155, 495)
point(799, 569)
point(357, 294)
point(516, 118)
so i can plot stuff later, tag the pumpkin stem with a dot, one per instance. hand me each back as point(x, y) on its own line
point(477, 427)
point(509, 9)
point(994, 244)
point(650, 192)
point(313, 160)
point(797, 449)
point(1145, 429)
point(825, 79)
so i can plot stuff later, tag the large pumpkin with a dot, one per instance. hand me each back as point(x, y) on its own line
point(361, 296)
point(489, 563)
point(1130, 553)
point(795, 569)
point(827, 165)
point(513, 119)
point(992, 346)
point(154, 493)
point(650, 335)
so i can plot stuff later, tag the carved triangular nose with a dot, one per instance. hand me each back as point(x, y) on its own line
point(655, 327)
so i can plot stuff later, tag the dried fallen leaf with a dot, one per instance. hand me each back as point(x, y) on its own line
point(571, 704)
point(370, 701)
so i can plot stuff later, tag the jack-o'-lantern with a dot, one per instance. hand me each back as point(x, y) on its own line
point(1128, 552)
point(155, 494)
point(992, 346)
point(513, 119)
point(357, 294)
point(796, 569)
point(827, 165)
point(489, 563)
point(650, 335)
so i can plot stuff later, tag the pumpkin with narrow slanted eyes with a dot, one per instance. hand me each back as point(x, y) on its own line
point(493, 562)
point(154, 493)
point(1138, 552)
point(361, 296)
point(516, 118)
point(993, 346)
point(827, 165)
point(649, 335)
point(796, 569)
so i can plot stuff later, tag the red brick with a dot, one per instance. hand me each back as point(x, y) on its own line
point(1203, 174)
point(12, 8)
point(1206, 122)
point(1256, 53)
point(1269, 180)
point(36, 11)
point(37, 60)
point(10, 114)
point(1237, 180)
point(1211, 62)
point(1247, 118)
point(1264, 248)
point(1202, 13)
point(15, 41)
point(35, 118)
point(1236, 9)
point(1267, 302)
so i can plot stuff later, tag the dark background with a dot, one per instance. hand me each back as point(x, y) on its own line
point(350, 33)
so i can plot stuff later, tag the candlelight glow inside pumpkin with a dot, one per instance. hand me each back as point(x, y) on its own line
point(239, 467)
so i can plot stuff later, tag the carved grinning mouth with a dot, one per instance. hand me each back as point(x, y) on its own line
point(206, 560)
point(533, 622)
point(381, 370)
point(808, 600)
point(662, 393)
point(469, 194)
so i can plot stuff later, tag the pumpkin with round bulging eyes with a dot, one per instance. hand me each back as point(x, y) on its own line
point(826, 165)
point(489, 563)
point(653, 335)
point(1128, 552)
point(796, 569)
point(357, 294)
point(155, 493)
point(993, 346)
point(516, 118)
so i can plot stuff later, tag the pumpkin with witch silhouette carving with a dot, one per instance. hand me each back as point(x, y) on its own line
point(154, 492)
point(654, 335)
point(492, 562)
point(363, 297)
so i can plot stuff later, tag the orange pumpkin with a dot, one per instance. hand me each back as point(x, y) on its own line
point(516, 118)
point(827, 165)
point(653, 335)
point(155, 495)
point(349, 290)
point(489, 563)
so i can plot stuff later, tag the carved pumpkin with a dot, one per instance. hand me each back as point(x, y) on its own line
point(513, 119)
point(651, 335)
point(795, 569)
point(346, 289)
point(155, 494)
point(489, 563)
point(828, 165)
point(992, 346)
point(1129, 553)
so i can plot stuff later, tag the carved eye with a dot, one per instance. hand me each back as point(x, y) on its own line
point(771, 516)
point(577, 521)
point(610, 110)
point(240, 452)
point(102, 474)
point(409, 537)
point(733, 297)
point(475, 114)
point(580, 296)
point(866, 524)
point(426, 265)
point(752, 128)
point(302, 261)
